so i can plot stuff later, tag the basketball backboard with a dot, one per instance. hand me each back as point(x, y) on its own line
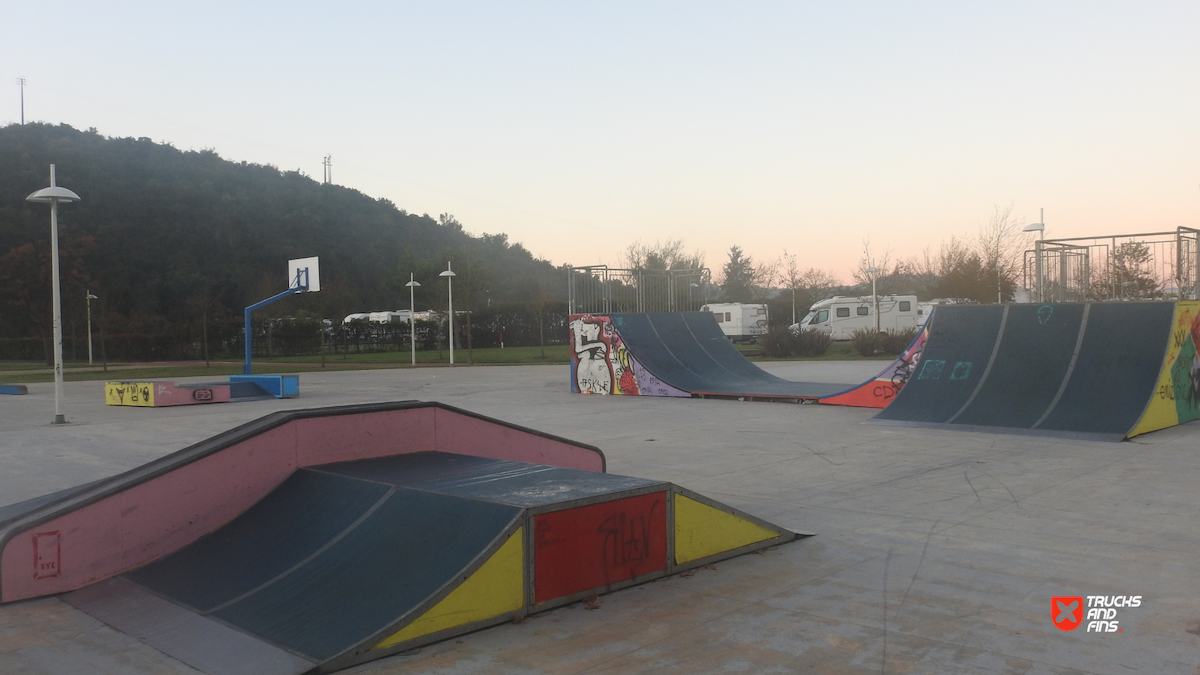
point(304, 270)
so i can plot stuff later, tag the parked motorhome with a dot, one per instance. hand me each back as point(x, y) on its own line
point(741, 322)
point(390, 316)
point(840, 316)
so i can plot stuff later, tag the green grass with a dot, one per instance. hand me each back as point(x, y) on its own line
point(490, 355)
point(22, 372)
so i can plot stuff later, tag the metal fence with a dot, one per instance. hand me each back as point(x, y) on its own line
point(600, 289)
point(1146, 266)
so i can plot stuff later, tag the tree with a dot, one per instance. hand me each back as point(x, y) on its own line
point(26, 287)
point(883, 266)
point(1131, 278)
point(1000, 245)
point(804, 287)
point(669, 255)
point(738, 276)
point(962, 273)
point(168, 222)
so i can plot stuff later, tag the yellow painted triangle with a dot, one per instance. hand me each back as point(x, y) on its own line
point(701, 531)
point(498, 586)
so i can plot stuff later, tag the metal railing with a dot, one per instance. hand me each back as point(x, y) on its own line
point(1144, 266)
point(600, 289)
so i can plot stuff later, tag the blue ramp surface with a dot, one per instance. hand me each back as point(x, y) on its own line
point(959, 347)
point(325, 561)
point(1075, 370)
point(689, 352)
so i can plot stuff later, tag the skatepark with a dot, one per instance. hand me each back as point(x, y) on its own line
point(937, 549)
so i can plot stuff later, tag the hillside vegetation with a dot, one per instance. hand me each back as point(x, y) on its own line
point(176, 243)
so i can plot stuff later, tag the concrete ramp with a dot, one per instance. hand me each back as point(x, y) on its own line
point(1100, 371)
point(344, 562)
point(350, 562)
point(239, 388)
point(76, 537)
point(672, 354)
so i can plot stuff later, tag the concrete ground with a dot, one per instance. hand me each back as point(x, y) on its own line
point(937, 551)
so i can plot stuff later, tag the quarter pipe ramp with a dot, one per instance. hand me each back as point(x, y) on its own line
point(672, 354)
point(1101, 371)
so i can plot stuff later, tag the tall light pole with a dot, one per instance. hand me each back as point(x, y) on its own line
point(412, 316)
point(54, 195)
point(89, 299)
point(21, 84)
point(450, 295)
point(1040, 228)
point(873, 271)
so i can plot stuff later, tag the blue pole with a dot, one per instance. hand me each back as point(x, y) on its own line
point(251, 308)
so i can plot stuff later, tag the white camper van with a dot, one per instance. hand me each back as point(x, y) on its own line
point(840, 316)
point(741, 322)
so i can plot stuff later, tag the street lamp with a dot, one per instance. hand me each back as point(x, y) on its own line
point(873, 271)
point(450, 295)
point(54, 195)
point(89, 299)
point(412, 316)
point(1040, 228)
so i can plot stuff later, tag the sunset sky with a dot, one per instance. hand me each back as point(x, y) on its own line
point(579, 128)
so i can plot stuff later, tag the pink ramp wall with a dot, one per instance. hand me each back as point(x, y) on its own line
point(157, 509)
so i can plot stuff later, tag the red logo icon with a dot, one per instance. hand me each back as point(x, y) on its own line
point(1067, 612)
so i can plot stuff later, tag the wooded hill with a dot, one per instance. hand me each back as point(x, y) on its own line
point(169, 238)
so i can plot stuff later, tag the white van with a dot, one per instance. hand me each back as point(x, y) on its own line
point(840, 316)
point(741, 322)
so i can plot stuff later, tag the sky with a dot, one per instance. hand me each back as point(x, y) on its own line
point(580, 128)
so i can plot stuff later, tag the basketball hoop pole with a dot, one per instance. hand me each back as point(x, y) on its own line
point(299, 284)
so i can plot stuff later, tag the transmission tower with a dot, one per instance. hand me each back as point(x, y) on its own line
point(21, 84)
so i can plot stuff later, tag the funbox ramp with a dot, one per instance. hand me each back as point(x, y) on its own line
point(1096, 371)
point(239, 388)
point(672, 354)
point(356, 553)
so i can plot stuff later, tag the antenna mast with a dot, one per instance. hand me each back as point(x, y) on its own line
point(21, 84)
point(328, 164)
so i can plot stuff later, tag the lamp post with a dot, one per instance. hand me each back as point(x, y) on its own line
point(412, 316)
point(450, 296)
point(89, 300)
point(873, 271)
point(54, 195)
point(1040, 228)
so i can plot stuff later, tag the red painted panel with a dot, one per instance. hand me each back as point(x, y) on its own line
point(590, 547)
point(873, 394)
